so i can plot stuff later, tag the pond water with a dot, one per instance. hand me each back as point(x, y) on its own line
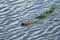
point(14, 12)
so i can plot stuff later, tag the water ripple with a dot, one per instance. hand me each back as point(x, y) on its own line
point(13, 12)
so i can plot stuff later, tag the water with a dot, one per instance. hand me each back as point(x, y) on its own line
point(14, 12)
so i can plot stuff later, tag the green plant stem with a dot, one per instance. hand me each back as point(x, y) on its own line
point(47, 12)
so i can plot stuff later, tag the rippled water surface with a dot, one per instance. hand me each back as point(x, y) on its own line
point(13, 12)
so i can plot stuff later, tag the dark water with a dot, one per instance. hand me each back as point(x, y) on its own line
point(13, 12)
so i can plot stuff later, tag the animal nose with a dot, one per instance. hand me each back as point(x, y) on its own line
point(22, 24)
